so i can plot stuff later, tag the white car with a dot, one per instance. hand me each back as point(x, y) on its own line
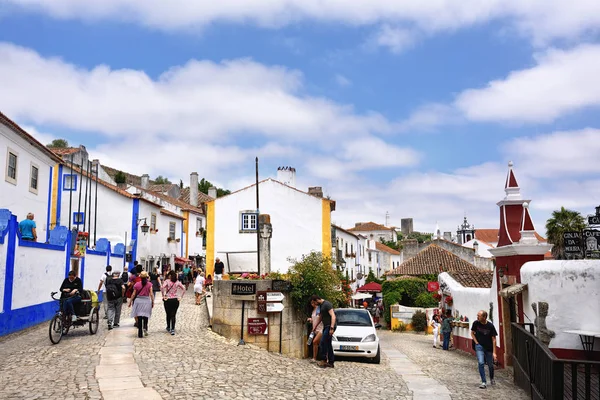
point(356, 335)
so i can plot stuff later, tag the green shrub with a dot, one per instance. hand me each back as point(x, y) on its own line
point(419, 321)
point(426, 300)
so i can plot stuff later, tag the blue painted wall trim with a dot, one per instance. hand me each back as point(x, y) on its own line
point(182, 241)
point(68, 254)
point(37, 245)
point(82, 270)
point(21, 318)
point(95, 253)
point(59, 197)
point(10, 264)
point(116, 255)
point(134, 230)
point(49, 204)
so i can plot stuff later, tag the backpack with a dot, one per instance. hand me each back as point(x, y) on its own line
point(113, 291)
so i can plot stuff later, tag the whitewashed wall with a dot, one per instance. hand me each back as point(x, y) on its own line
point(572, 291)
point(155, 244)
point(37, 273)
point(469, 301)
point(352, 241)
point(18, 198)
point(195, 242)
point(95, 267)
point(296, 218)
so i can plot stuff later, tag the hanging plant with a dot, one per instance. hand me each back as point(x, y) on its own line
point(449, 300)
point(437, 296)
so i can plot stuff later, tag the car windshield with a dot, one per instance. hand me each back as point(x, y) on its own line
point(348, 317)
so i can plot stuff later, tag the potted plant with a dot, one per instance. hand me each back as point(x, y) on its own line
point(449, 300)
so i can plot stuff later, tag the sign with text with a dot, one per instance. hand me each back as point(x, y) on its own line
point(275, 307)
point(269, 301)
point(243, 288)
point(281, 285)
point(433, 286)
point(573, 243)
point(591, 238)
point(258, 326)
point(594, 219)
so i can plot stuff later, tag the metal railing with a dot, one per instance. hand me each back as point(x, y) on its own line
point(546, 377)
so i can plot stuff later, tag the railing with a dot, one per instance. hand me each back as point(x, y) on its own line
point(545, 377)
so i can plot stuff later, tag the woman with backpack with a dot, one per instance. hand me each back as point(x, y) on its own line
point(171, 298)
point(143, 302)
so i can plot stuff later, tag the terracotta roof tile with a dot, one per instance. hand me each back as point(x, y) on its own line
point(183, 205)
point(369, 226)
point(33, 141)
point(431, 260)
point(382, 247)
point(64, 151)
point(491, 235)
point(473, 279)
point(202, 197)
point(129, 178)
point(162, 188)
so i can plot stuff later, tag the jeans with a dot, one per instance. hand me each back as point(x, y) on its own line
point(69, 303)
point(142, 325)
point(171, 306)
point(114, 311)
point(446, 342)
point(326, 348)
point(485, 357)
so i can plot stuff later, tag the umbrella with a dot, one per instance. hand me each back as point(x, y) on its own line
point(370, 287)
point(361, 296)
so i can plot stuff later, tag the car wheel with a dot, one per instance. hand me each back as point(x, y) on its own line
point(377, 358)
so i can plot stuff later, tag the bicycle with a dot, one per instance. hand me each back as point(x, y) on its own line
point(61, 322)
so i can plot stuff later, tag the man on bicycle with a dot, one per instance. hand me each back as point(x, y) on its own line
point(70, 290)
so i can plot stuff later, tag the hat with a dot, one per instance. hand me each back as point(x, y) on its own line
point(143, 275)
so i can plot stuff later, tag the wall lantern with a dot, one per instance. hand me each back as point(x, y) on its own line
point(145, 227)
point(502, 271)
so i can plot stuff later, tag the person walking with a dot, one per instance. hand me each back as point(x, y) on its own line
point(156, 281)
point(435, 324)
point(484, 335)
point(171, 298)
point(316, 329)
point(102, 283)
point(199, 288)
point(27, 228)
point(186, 276)
point(114, 293)
point(446, 329)
point(327, 316)
point(219, 267)
point(143, 302)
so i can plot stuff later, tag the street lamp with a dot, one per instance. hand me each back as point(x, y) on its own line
point(145, 227)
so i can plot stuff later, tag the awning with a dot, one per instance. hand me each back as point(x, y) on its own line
point(513, 290)
point(181, 260)
point(362, 296)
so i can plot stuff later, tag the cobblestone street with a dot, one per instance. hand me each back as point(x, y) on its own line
point(454, 369)
point(193, 364)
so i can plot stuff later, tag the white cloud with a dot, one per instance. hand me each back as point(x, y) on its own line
point(200, 100)
point(396, 40)
point(42, 137)
point(371, 152)
point(342, 81)
point(562, 81)
point(542, 20)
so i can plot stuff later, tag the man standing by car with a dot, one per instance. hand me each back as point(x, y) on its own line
point(484, 335)
point(327, 316)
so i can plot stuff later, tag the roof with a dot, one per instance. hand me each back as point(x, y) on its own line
point(183, 205)
point(202, 197)
point(433, 260)
point(491, 235)
point(64, 151)
point(382, 247)
point(163, 187)
point(171, 214)
point(129, 178)
point(473, 279)
point(33, 141)
point(369, 226)
point(344, 230)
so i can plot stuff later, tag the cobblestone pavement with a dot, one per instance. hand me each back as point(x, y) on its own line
point(193, 364)
point(455, 369)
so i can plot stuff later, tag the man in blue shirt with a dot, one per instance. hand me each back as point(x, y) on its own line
point(27, 228)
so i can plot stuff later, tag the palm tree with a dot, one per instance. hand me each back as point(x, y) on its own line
point(562, 221)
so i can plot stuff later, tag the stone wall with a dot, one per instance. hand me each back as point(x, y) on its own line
point(227, 315)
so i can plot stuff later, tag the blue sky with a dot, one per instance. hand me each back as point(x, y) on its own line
point(414, 110)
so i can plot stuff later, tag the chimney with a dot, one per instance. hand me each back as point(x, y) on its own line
point(212, 192)
point(316, 191)
point(145, 181)
point(287, 176)
point(95, 168)
point(476, 247)
point(194, 189)
point(357, 224)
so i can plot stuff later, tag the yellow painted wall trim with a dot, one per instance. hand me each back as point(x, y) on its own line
point(326, 217)
point(210, 238)
point(54, 202)
point(186, 229)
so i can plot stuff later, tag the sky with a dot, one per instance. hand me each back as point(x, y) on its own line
point(413, 109)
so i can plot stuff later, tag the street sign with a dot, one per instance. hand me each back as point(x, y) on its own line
point(433, 286)
point(594, 220)
point(274, 307)
point(281, 285)
point(258, 326)
point(275, 296)
point(573, 243)
point(261, 307)
point(591, 241)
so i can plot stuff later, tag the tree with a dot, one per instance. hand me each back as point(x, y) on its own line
point(372, 278)
point(204, 185)
point(59, 143)
point(421, 237)
point(562, 221)
point(120, 177)
point(390, 244)
point(160, 180)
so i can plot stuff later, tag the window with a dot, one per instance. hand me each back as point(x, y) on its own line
point(11, 167)
point(70, 182)
point(346, 248)
point(248, 221)
point(172, 227)
point(153, 222)
point(352, 248)
point(198, 224)
point(78, 218)
point(33, 179)
point(369, 256)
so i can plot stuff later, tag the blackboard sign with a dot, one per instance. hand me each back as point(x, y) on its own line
point(243, 288)
point(281, 285)
point(573, 243)
point(591, 238)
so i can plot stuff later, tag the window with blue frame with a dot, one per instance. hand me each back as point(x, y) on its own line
point(70, 182)
point(248, 221)
point(78, 218)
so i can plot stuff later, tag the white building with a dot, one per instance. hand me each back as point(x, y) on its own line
point(349, 251)
point(28, 167)
point(375, 231)
point(301, 223)
point(389, 258)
